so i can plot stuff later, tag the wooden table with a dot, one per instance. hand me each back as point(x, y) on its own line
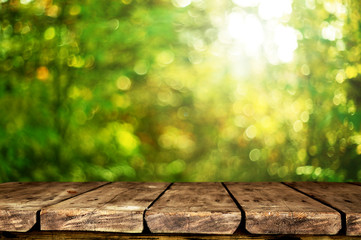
point(134, 210)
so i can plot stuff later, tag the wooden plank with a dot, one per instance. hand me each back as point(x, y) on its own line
point(356, 183)
point(273, 208)
point(20, 201)
point(343, 196)
point(117, 207)
point(69, 235)
point(203, 208)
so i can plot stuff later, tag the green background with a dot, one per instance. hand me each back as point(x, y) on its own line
point(178, 91)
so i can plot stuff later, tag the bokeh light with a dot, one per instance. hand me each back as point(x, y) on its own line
point(181, 90)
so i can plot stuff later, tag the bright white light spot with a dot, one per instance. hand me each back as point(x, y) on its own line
point(247, 30)
point(330, 6)
point(25, 1)
point(181, 3)
point(235, 24)
point(286, 41)
point(271, 52)
point(274, 9)
point(246, 3)
point(329, 33)
point(247, 35)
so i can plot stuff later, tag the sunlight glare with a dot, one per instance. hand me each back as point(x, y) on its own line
point(246, 3)
point(274, 9)
point(181, 3)
point(286, 39)
point(247, 30)
point(266, 33)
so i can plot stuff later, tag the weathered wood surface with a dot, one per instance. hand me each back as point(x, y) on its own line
point(69, 235)
point(191, 208)
point(20, 201)
point(345, 197)
point(117, 207)
point(194, 208)
point(356, 183)
point(273, 208)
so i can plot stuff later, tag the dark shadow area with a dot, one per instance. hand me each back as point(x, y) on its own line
point(36, 226)
point(146, 229)
point(241, 229)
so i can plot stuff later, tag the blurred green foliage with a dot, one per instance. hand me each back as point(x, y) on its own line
point(180, 90)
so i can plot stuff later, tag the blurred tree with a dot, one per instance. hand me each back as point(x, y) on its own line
point(179, 90)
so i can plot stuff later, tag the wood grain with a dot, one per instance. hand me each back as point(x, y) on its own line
point(273, 208)
point(117, 207)
point(343, 196)
point(69, 235)
point(203, 208)
point(356, 183)
point(20, 201)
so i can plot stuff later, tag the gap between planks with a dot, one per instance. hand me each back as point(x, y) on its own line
point(73, 235)
point(20, 202)
point(196, 208)
point(273, 208)
point(344, 197)
point(343, 215)
point(241, 228)
point(117, 207)
point(146, 229)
